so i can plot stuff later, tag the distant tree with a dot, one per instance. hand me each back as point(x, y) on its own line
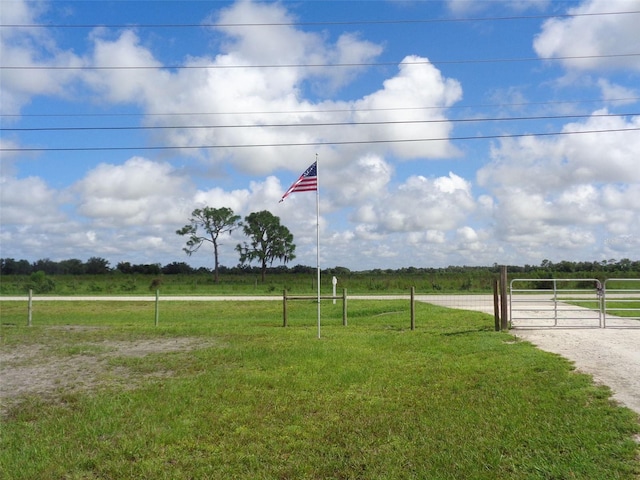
point(72, 266)
point(10, 266)
point(214, 222)
point(268, 241)
point(175, 268)
point(124, 267)
point(97, 266)
point(46, 265)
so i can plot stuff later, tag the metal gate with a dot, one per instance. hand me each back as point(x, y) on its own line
point(555, 302)
point(621, 303)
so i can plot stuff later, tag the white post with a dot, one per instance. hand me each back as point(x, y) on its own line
point(334, 281)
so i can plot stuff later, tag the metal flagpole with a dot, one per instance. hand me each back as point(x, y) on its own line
point(318, 238)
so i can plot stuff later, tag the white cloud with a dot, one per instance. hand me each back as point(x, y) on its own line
point(31, 47)
point(566, 192)
point(418, 84)
point(138, 192)
point(611, 91)
point(593, 35)
point(420, 204)
point(28, 201)
point(551, 164)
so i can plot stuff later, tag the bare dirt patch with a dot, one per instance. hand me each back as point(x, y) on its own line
point(50, 371)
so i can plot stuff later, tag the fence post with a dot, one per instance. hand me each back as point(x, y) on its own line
point(284, 307)
point(157, 306)
point(413, 308)
point(496, 304)
point(344, 307)
point(30, 308)
point(504, 316)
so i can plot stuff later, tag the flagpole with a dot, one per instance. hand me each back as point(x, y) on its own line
point(318, 239)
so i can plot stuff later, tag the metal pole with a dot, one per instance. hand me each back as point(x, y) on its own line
point(318, 238)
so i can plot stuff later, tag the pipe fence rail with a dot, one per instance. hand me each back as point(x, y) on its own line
point(620, 306)
point(573, 303)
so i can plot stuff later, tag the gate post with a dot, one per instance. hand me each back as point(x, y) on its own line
point(504, 316)
point(496, 304)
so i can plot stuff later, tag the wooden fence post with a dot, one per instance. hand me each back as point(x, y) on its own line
point(413, 308)
point(157, 307)
point(30, 308)
point(344, 307)
point(284, 307)
point(496, 304)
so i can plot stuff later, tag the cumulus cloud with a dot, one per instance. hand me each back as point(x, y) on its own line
point(33, 48)
point(561, 192)
point(138, 192)
point(247, 96)
point(420, 204)
point(418, 84)
point(28, 201)
point(592, 36)
point(552, 164)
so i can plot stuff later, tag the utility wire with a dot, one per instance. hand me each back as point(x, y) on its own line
point(319, 23)
point(308, 144)
point(331, 110)
point(312, 65)
point(314, 124)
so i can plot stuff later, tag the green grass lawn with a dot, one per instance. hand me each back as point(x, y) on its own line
point(249, 399)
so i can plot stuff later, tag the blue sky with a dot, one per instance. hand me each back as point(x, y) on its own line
point(435, 125)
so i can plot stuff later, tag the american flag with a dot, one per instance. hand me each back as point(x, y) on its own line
point(308, 182)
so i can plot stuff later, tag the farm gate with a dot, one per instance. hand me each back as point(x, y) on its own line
point(551, 302)
point(574, 303)
point(621, 303)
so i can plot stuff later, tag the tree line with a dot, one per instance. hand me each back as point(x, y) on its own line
point(99, 266)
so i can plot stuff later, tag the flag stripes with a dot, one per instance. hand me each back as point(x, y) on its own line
point(308, 182)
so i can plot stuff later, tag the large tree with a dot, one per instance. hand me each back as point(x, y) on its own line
point(269, 240)
point(213, 222)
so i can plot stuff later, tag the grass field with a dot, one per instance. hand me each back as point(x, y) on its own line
point(221, 390)
point(246, 284)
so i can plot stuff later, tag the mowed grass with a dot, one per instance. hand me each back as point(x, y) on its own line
point(253, 400)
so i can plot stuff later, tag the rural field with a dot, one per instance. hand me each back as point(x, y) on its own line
point(222, 390)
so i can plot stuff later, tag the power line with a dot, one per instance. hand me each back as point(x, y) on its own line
point(310, 144)
point(331, 110)
point(312, 65)
point(319, 23)
point(315, 124)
